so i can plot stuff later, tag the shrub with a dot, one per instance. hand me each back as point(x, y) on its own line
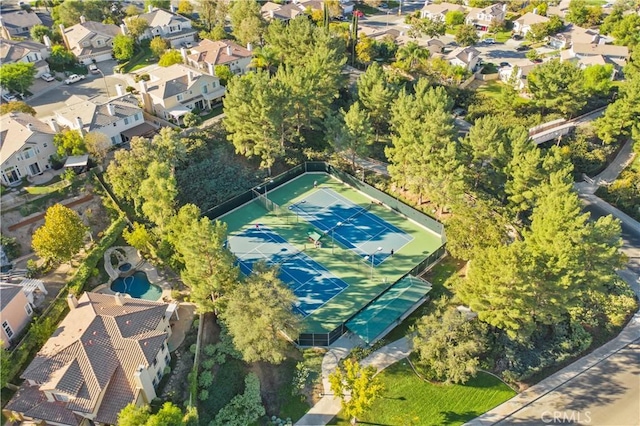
point(203, 395)
point(206, 379)
point(10, 246)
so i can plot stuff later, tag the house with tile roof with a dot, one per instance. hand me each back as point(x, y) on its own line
point(438, 11)
point(573, 34)
point(483, 18)
point(612, 54)
point(109, 351)
point(175, 91)
point(12, 52)
point(207, 54)
point(26, 147)
point(115, 118)
point(18, 23)
point(90, 41)
point(15, 312)
point(283, 12)
point(174, 28)
point(523, 24)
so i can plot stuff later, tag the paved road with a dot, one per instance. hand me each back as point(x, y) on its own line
point(48, 102)
point(605, 394)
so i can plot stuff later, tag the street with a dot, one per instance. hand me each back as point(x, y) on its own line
point(55, 94)
point(605, 394)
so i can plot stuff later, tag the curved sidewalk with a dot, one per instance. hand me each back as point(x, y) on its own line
point(329, 406)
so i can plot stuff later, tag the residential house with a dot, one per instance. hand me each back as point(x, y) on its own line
point(516, 73)
point(26, 146)
point(283, 12)
point(466, 57)
point(483, 18)
point(438, 11)
point(174, 28)
point(18, 23)
point(108, 352)
point(347, 7)
point(207, 54)
point(174, 91)
point(119, 118)
point(90, 41)
point(573, 34)
point(616, 55)
point(15, 312)
point(523, 24)
point(32, 52)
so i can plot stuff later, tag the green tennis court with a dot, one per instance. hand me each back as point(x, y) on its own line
point(366, 278)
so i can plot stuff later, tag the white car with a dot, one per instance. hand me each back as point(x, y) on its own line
point(93, 68)
point(74, 78)
point(9, 97)
point(47, 77)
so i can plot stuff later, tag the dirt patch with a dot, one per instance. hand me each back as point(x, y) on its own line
point(40, 216)
point(90, 210)
point(211, 330)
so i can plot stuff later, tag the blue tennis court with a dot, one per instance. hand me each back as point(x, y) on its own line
point(353, 226)
point(313, 284)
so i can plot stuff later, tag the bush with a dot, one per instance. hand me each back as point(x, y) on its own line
point(206, 379)
point(10, 246)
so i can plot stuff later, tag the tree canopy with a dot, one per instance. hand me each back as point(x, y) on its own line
point(62, 235)
point(16, 106)
point(18, 76)
point(557, 86)
point(356, 386)
point(123, 47)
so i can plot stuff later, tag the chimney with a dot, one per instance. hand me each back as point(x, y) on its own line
point(150, 8)
point(80, 126)
point(183, 52)
point(47, 41)
point(250, 47)
point(54, 125)
point(82, 19)
point(229, 53)
point(119, 90)
point(143, 86)
point(212, 70)
point(172, 8)
point(64, 37)
point(112, 109)
point(143, 382)
point(30, 126)
point(123, 29)
point(72, 301)
point(535, 10)
point(190, 77)
point(120, 299)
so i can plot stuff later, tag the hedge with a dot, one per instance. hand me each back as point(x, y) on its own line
point(42, 327)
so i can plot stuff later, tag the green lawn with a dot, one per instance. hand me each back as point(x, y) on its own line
point(47, 189)
point(492, 89)
point(144, 57)
point(409, 400)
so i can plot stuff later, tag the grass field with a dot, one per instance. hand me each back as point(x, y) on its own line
point(408, 400)
point(492, 89)
point(342, 262)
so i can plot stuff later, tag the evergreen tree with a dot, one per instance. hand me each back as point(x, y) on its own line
point(557, 86)
point(257, 314)
point(246, 21)
point(158, 192)
point(357, 133)
point(376, 95)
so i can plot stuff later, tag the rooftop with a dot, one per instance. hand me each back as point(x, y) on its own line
point(16, 129)
point(20, 19)
point(13, 51)
point(95, 113)
point(218, 52)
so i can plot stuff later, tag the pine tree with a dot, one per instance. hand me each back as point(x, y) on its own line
point(158, 192)
point(357, 133)
point(376, 95)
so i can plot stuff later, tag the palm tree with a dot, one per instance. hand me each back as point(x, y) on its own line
point(412, 55)
point(264, 58)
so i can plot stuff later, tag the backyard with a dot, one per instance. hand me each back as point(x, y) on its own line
point(409, 400)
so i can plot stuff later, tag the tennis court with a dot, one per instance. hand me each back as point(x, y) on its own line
point(312, 284)
point(354, 226)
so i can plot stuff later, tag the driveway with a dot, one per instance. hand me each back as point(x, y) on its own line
point(54, 97)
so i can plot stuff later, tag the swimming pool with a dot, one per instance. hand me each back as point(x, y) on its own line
point(138, 286)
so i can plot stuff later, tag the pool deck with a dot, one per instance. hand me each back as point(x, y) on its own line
point(132, 256)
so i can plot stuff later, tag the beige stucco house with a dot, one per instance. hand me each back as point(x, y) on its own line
point(18, 23)
point(438, 11)
point(90, 41)
point(26, 146)
point(108, 352)
point(483, 18)
point(174, 28)
point(30, 52)
point(523, 24)
point(15, 312)
point(174, 91)
point(207, 54)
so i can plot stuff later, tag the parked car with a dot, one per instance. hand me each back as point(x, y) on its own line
point(93, 69)
point(504, 64)
point(74, 78)
point(47, 77)
point(358, 13)
point(187, 44)
point(9, 97)
point(523, 48)
point(516, 37)
point(489, 41)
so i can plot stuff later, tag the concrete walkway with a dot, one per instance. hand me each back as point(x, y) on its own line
point(329, 406)
point(610, 174)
